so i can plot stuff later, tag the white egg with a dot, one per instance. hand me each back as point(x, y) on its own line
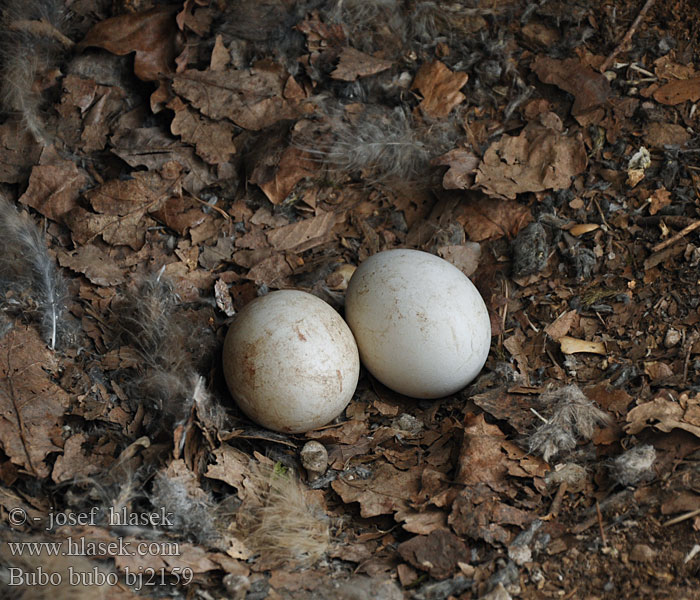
point(421, 326)
point(290, 361)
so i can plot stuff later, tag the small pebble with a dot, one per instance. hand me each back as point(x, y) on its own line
point(673, 336)
point(642, 553)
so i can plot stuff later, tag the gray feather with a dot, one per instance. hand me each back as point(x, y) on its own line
point(29, 280)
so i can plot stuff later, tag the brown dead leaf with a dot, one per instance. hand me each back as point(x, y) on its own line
point(562, 325)
point(589, 88)
point(251, 98)
point(666, 415)
point(302, 235)
point(513, 408)
point(121, 207)
point(150, 147)
point(540, 158)
point(677, 92)
point(180, 214)
point(231, 466)
point(481, 459)
point(611, 399)
point(580, 229)
point(19, 151)
point(423, 522)
point(75, 463)
point(54, 189)
point(437, 553)
point(354, 64)
point(439, 87)
point(658, 200)
point(213, 140)
point(462, 165)
point(491, 218)
point(97, 266)
point(31, 405)
point(571, 345)
point(658, 134)
point(293, 166)
point(149, 34)
point(478, 513)
point(384, 492)
point(657, 370)
point(465, 257)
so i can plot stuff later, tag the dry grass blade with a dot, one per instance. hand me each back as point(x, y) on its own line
point(278, 520)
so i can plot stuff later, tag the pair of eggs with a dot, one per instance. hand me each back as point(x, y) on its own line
point(415, 321)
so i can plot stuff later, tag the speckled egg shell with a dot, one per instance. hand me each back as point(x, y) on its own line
point(420, 324)
point(290, 361)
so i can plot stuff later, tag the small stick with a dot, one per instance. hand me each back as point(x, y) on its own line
point(600, 523)
point(675, 237)
point(628, 36)
point(683, 517)
point(558, 498)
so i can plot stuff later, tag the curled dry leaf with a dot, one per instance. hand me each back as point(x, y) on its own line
point(150, 35)
point(589, 88)
point(665, 415)
point(571, 345)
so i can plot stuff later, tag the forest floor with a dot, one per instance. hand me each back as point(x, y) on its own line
point(180, 160)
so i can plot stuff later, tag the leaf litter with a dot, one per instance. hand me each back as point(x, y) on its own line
point(255, 162)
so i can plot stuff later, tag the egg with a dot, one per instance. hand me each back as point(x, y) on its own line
point(290, 361)
point(420, 324)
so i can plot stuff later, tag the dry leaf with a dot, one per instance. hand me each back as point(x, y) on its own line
point(540, 158)
point(354, 64)
point(386, 491)
point(278, 183)
point(589, 88)
point(150, 147)
point(440, 89)
point(54, 189)
point(150, 35)
point(251, 98)
point(97, 266)
point(658, 200)
point(491, 218)
point(581, 228)
point(213, 140)
point(571, 345)
point(481, 458)
point(437, 553)
point(302, 235)
point(31, 404)
point(677, 92)
point(658, 370)
point(465, 257)
point(665, 415)
point(562, 325)
point(462, 165)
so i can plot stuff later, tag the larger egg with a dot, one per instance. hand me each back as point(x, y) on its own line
point(290, 361)
point(420, 324)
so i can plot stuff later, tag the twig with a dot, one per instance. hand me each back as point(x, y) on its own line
point(683, 517)
point(628, 36)
point(558, 498)
point(675, 237)
point(600, 523)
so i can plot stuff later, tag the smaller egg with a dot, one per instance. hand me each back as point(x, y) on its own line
point(420, 324)
point(290, 361)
